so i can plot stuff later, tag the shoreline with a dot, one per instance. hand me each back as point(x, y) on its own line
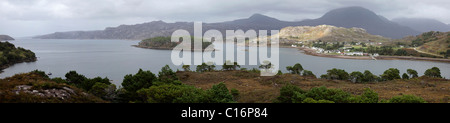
point(3, 67)
point(308, 51)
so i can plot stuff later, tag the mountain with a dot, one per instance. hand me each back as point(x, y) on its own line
point(5, 38)
point(423, 24)
point(344, 17)
point(362, 18)
point(138, 31)
point(260, 21)
point(328, 33)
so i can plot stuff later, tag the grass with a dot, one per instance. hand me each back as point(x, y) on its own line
point(257, 89)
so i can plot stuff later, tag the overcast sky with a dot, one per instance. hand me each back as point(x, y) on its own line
point(20, 18)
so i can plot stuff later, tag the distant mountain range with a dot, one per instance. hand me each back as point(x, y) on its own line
point(423, 24)
point(344, 17)
point(5, 38)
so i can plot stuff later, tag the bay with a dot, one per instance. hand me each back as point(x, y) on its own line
point(116, 58)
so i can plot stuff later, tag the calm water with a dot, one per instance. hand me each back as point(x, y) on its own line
point(116, 58)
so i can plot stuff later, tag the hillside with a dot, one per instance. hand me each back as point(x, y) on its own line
point(436, 43)
point(5, 38)
point(328, 33)
point(34, 87)
point(209, 87)
point(10, 55)
point(432, 43)
point(256, 89)
point(344, 17)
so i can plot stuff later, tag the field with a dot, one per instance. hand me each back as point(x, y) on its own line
point(256, 89)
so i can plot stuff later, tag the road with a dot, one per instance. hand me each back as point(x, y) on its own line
point(427, 53)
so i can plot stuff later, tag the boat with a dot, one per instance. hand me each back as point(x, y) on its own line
point(49, 73)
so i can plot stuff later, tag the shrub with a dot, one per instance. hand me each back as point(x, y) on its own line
point(279, 72)
point(133, 83)
point(368, 96)
point(73, 77)
point(104, 91)
point(405, 76)
point(412, 73)
point(219, 94)
point(406, 99)
point(296, 69)
point(369, 77)
point(433, 72)
point(322, 93)
point(391, 74)
point(287, 92)
point(167, 76)
point(308, 73)
point(356, 77)
point(87, 84)
point(235, 94)
point(204, 67)
point(41, 73)
point(167, 93)
point(186, 67)
point(59, 80)
point(228, 65)
point(267, 65)
point(336, 74)
point(311, 100)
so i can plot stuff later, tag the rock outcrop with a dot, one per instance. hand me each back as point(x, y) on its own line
point(35, 87)
point(61, 93)
point(328, 33)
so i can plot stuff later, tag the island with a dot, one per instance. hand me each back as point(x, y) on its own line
point(164, 43)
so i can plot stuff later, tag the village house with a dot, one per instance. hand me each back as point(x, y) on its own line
point(354, 54)
point(376, 55)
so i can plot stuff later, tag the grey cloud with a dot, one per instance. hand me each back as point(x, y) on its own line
point(47, 16)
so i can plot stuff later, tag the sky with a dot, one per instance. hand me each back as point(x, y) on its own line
point(21, 18)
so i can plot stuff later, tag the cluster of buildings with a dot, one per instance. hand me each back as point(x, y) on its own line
point(345, 52)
